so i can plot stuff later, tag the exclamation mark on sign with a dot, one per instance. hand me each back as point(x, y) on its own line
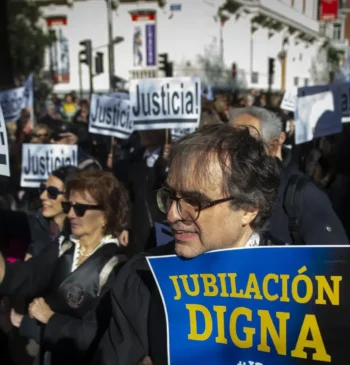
point(2, 139)
point(197, 98)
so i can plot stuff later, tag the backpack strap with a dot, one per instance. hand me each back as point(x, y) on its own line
point(292, 205)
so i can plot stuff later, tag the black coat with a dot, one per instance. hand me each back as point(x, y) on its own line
point(138, 326)
point(142, 183)
point(69, 337)
point(319, 224)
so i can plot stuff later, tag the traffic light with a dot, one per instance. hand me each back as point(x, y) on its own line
point(86, 52)
point(99, 63)
point(271, 71)
point(163, 61)
point(165, 65)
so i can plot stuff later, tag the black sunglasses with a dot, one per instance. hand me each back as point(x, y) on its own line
point(79, 209)
point(52, 191)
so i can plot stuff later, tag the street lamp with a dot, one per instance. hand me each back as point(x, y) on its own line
point(118, 40)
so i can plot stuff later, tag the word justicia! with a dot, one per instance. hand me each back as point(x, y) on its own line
point(45, 163)
point(167, 101)
point(300, 289)
point(117, 115)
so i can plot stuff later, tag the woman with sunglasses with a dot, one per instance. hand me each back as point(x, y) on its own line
point(51, 221)
point(45, 227)
point(70, 279)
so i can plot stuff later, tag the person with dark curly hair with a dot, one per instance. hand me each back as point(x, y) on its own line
point(220, 192)
point(70, 280)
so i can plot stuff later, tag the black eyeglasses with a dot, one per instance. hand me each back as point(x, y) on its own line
point(188, 208)
point(79, 209)
point(52, 191)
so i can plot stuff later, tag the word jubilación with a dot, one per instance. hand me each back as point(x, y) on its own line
point(263, 310)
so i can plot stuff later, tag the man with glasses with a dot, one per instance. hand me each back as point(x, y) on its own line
point(220, 192)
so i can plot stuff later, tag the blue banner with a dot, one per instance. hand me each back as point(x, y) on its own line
point(164, 234)
point(257, 306)
point(151, 45)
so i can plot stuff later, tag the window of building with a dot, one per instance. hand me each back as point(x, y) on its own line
point(296, 81)
point(337, 30)
point(255, 78)
point(306, 82)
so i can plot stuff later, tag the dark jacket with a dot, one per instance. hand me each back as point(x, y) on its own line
point(138, 326)
point(42, 233)
point(319, 224)
point(69, 335)
point(142, 183)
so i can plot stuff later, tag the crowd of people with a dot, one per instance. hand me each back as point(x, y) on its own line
point(74, 282)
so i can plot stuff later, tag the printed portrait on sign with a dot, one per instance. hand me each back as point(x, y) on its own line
point(137, 45)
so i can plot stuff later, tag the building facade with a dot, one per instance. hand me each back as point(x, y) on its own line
point(226, 42)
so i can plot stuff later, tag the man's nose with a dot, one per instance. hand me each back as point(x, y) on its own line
point(173, 213)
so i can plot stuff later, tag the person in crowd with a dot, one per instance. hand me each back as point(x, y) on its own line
point(52, 116)
point(45, 227)
point(220, 192)
point(143, 173)
point(69, 108)
point(41, 134)
point(24, 128)
point(50, 223)
point(327, 166)
point(318, 224)
point(71, 279)
point(56, 102)
point(82, 115)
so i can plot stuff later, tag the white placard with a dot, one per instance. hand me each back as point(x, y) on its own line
point(14, 100)
point(110, 116)
point(178, 133)
point(289, 100)
point(165, 103)
point(309, 110)
point(4, 148)
point(118, 95)
point(40, 160)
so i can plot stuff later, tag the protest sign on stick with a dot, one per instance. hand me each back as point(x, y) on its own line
point(4, 148)
point(110, 116)
point(262, 305)
point(40, 160)
point(14, 100)
point(165, 103)
point(289, 100)
point(318, 113)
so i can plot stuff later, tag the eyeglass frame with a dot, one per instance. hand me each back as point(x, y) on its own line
point(43, 187)
point(86, 206)
point(201, 206)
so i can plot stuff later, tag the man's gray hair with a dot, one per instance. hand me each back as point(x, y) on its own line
point(271, 124)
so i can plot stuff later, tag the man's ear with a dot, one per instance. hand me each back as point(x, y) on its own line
point(276, 143)
point(282, 138)
point(249, 216)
